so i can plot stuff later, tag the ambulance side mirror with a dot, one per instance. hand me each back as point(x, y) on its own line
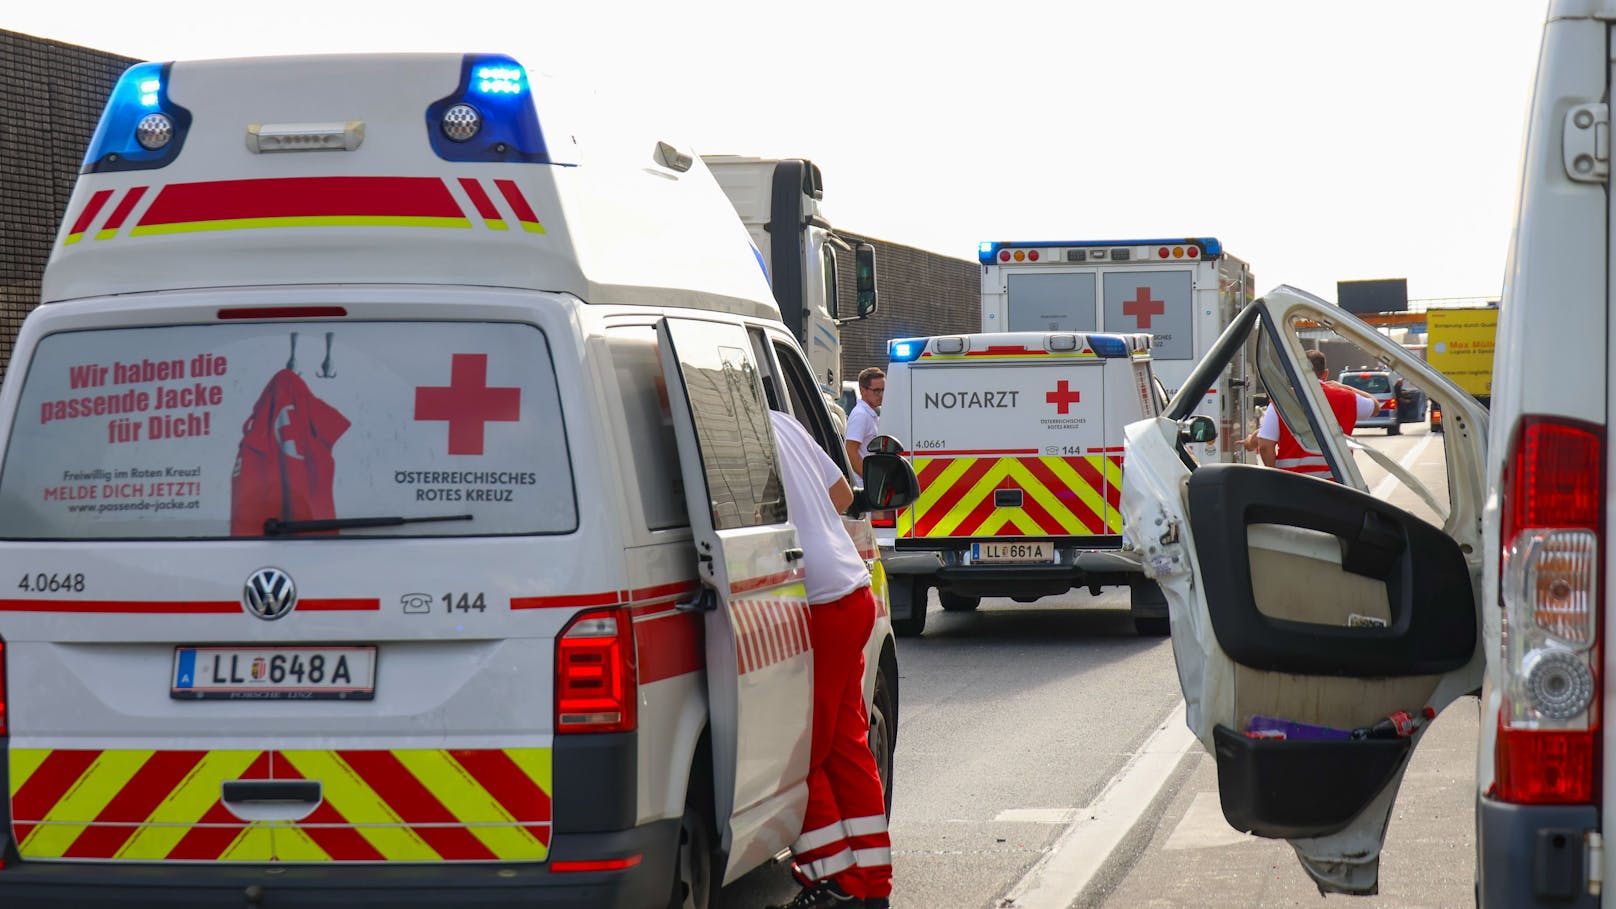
point(887, 445)
point(1198, 429)
point(889, 483)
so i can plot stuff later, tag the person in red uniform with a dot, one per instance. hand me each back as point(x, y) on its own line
point(843, 857)
point(284, 468)
point(1279, 448)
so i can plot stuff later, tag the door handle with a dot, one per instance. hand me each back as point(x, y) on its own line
point(279, 791)
point(794, 554)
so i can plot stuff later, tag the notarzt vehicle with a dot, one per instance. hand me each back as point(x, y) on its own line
point(1017, 443)
point(390, 509)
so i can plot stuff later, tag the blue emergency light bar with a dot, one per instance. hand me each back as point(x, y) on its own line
point(498, 89)
point(906, 349)
point(987, 252)
point(141, 91)
point(1108, 345)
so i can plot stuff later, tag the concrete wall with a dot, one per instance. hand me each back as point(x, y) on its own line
point(922, 293)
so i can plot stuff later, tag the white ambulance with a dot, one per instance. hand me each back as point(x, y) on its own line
point(1016, 438)
point(1184, 291)
point(389, 510)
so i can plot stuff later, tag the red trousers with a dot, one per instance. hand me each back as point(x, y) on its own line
point(844, 834)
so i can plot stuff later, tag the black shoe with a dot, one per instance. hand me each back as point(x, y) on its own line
point(823, 895)
point(876, 902)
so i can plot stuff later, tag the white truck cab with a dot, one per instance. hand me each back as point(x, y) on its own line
point(1016, 438)
point(1315, 603)
point(390, 511)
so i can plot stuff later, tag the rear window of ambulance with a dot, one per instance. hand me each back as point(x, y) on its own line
point(214, 431)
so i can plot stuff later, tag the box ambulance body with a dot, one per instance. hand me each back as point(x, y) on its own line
point(1016, 440)
point(1183, 291)
point(389, 509)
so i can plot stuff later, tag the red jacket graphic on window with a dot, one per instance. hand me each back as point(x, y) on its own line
point(284, 467)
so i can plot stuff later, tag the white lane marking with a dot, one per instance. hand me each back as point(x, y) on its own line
point(1204, 827)
point(1036, 816)
point(1084, 846)
point(1385, 486)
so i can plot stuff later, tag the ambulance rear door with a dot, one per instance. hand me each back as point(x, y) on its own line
point(759, 663)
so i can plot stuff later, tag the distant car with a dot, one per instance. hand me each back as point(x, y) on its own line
point(1379, 383)
point(850, 397)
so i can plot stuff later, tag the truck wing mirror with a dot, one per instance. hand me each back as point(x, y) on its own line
point(864, 278)
point(889, 483)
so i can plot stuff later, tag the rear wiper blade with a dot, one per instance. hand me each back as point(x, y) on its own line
point(275, 527)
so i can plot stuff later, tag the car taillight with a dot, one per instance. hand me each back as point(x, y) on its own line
point(1552, 566)
point(887, 518)
point(596, 684)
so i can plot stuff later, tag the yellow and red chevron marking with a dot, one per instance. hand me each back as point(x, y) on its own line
point(367, 201)
point(1061, 496)
point(415, 805)
point(770, 629)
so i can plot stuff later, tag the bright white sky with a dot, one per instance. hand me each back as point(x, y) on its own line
point(1319, 141)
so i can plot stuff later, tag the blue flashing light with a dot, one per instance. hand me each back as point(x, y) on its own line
point(905, 350)
point(501, 80)
point(498, 87)
point(142, 90)
point(1108, 345)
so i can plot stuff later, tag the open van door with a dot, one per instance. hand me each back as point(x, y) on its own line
point(759, 663)
point(1311, 608)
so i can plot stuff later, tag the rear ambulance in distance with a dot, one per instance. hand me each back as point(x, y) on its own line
point(1017, 443)
point(390, 510)
point(1182, 291)
point(1506, 595)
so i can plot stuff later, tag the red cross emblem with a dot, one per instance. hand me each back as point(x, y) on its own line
point(1063, 396)
point(467, 403)
point(1142, 307)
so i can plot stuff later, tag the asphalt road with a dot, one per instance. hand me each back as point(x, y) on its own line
point(1019, 722)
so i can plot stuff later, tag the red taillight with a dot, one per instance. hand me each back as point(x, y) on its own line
point(1550, 579)
point(617, 864)
point(596, 686)
point(283, 312)
point(884, 519)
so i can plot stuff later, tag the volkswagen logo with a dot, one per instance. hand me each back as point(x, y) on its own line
point(269, 594)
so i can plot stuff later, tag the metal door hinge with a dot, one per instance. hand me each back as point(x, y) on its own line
point(1585, 143)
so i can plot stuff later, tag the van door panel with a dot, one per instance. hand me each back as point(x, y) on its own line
point(759, 661)
point(1307, 601)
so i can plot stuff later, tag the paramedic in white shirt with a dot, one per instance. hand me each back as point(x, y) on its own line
point(861, 422)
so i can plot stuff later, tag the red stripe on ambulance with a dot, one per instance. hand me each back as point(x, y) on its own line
point(302, 197)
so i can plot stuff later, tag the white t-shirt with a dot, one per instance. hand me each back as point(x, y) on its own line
point(832, 561)
point(1269, 427)
point(861, 425)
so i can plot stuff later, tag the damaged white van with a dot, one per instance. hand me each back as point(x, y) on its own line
point(1497, 583)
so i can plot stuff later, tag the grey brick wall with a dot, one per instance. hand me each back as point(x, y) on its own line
point(55, 93)
point(922, 293)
